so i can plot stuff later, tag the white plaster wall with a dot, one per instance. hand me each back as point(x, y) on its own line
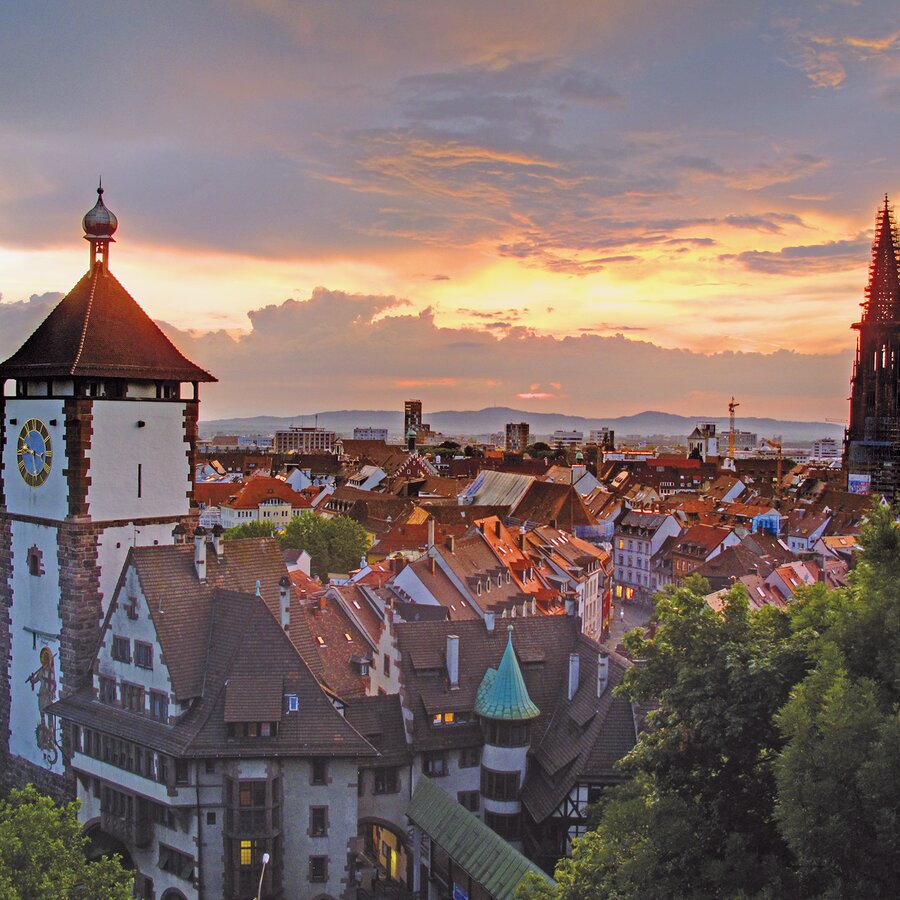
point(140, 629)
point(390, 807)
point(147, 859)
point(112, 549)
point(457, 779)
point(339, 795)
point(505, 759)
point(35, 606)
point(51, 499)
point(118, 446)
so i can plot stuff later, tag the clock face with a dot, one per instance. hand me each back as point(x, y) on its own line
point(34, 453)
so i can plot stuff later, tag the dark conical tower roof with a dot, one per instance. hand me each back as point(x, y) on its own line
point(98, 330)
point(883, 291)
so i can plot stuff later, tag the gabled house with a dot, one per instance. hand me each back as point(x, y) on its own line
point(516, 719)
point(203, 739)
point(696, 546)
point(262, 499)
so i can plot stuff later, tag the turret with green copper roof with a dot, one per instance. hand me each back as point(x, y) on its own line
point(502, 693)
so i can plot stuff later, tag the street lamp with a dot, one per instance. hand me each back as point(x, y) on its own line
point(261, 876)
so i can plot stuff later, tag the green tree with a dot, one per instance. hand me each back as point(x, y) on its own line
point(249, 530)
point(838, 780)
point(42, 854)
point(771, 768)
point(697, 820)
point(334, 545)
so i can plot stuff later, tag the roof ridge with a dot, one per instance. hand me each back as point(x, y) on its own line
point(87, 318)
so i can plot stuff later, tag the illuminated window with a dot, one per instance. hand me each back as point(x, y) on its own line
point(348, 637)
point(246, 853)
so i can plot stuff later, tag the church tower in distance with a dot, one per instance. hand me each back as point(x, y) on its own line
point(872, 442)
point(99, 426)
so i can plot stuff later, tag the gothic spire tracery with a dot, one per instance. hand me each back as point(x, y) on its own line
point(882, 302)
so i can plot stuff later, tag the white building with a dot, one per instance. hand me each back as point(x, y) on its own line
point(305, 440)
point(98, 446)
point(370, 434)
point(562, 438)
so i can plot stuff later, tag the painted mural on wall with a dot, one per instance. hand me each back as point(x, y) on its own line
point(43, 679)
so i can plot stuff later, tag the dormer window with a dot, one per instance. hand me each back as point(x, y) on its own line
point(292, 703)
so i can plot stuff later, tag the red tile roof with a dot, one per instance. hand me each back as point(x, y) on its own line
point(99, 331)
point(262, 488)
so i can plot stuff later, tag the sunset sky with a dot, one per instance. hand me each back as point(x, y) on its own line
point(585, 207)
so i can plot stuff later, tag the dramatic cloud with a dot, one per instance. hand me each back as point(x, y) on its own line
point(18, 320)
point(337, 350)
point(658, 164)
point(804, 260)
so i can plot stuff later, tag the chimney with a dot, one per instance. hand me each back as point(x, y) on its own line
point(533, 606)
point(602, 673)
point(570, 607)
point(178, 533)
point(481, 524)
point(217, 532)
point(453, 661)
point(574, 671)
point(284, 601)
point(522, 543)
point(489, 621)
point(200, 552)
point(451, 543)
point(433, 566)
point(498, 528)
point(430, 532)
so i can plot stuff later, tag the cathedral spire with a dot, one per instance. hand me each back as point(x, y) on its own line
point(883, 291)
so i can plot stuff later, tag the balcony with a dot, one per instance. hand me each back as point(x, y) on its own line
point(136, 832)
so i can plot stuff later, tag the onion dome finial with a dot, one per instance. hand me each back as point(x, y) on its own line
point(99, 222)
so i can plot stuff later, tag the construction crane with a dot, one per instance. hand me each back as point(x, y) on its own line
point(777, 446)
point(732, 434)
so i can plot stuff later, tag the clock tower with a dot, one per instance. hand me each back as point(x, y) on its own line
point(97, 451)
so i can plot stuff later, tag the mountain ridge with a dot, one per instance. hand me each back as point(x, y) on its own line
point(494, 418)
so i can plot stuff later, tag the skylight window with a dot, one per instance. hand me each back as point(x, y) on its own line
point(348, 637)
point(320, 640)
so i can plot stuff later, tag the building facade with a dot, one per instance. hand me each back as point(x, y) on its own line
point(99, 431)
point(518, 436)
point(370, 434)
point(305, 440)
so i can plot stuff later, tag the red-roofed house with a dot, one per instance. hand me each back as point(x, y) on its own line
point(263, 499)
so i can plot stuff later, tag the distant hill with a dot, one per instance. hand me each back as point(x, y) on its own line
point(494, 419)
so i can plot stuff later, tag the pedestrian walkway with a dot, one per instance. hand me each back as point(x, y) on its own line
point(635, 616)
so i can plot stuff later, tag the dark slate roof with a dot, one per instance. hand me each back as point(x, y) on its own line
point(545, 502)
point(379, 720)
point(245, 656)
point(98, 331)
point(180, 603)
point(582, 740)
point(572, 740)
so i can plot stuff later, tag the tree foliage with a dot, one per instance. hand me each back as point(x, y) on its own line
point(249, 530)
point(334, 545)
point(771, 767)
point(42, 854)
